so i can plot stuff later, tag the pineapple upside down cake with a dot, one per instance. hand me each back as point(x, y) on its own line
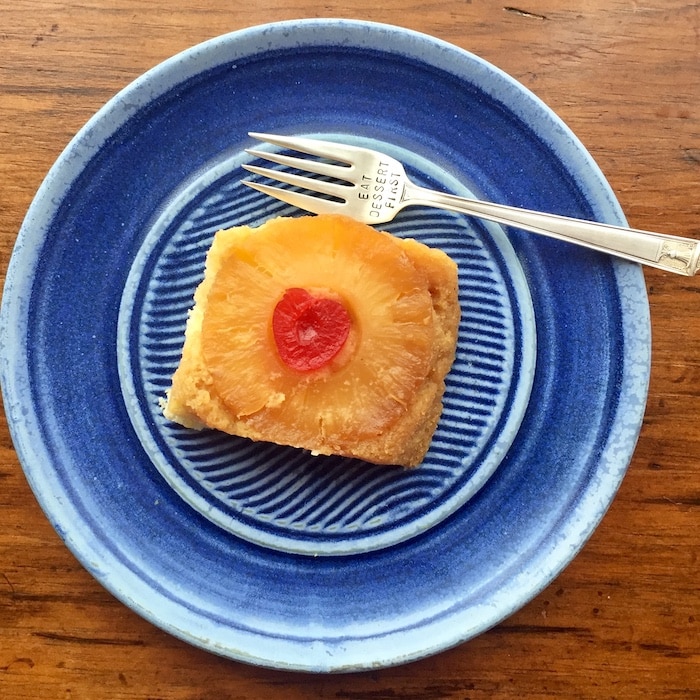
point(321, 333)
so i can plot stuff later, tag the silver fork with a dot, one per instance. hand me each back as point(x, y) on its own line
point(373, 187)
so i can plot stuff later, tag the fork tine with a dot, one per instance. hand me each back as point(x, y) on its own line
point(298, 199)
point(340, 172)
point(313, 147)
point(332, 189)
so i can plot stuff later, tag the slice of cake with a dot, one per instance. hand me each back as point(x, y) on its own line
point(322, 333)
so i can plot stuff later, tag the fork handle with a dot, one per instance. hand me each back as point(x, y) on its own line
point(670, 253)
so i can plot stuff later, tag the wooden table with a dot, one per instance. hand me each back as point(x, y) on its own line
point(623, 620)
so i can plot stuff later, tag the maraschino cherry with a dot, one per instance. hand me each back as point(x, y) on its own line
point(309, 330)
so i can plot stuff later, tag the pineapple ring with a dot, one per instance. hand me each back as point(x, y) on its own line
point(389, 351)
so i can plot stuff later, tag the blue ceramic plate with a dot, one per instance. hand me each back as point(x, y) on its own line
point(270, 555)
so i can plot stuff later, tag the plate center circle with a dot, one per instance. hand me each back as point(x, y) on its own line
point(285, 498)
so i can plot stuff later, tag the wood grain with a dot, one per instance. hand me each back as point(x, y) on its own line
point(623, 620)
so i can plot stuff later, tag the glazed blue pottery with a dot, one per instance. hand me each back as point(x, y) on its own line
point(267, 554)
